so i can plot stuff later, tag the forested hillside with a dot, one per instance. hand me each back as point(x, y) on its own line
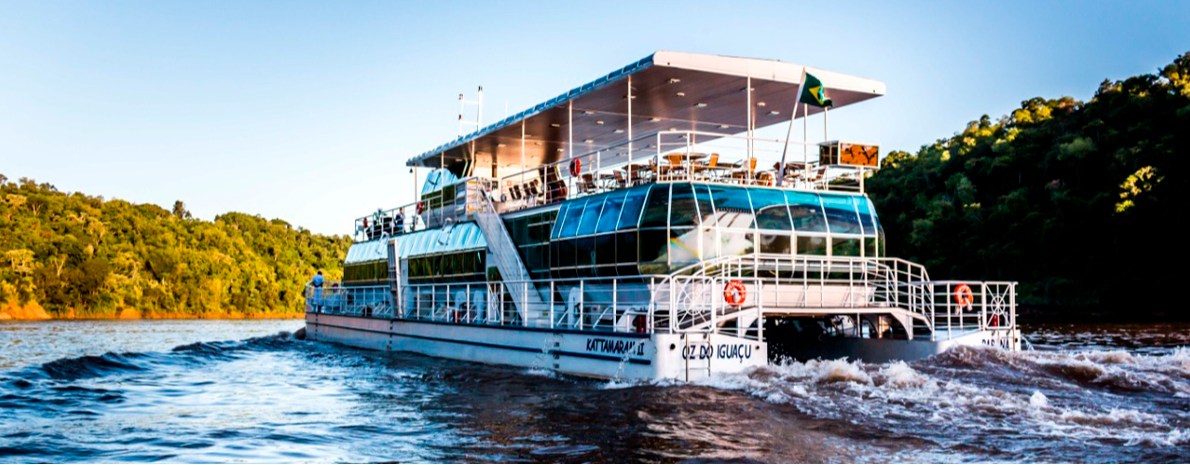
point(77, 256)
point(1079, 202)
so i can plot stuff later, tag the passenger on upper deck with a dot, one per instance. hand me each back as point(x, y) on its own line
point(318, 280)
point(399, 221)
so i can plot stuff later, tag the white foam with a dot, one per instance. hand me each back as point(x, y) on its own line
point(1039, 400)
point(899, 375)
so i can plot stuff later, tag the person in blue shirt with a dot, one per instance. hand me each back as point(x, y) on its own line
point(318, 280)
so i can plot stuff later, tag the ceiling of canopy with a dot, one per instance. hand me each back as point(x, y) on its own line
point(670, 91)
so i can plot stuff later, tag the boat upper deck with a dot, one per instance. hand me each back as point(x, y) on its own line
point(670, 117)
point(661, 96)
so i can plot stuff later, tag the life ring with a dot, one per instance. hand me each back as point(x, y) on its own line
point(734, 292)
point(638, 324)
point(421, 207)
point(963, 295)
point(576, 167)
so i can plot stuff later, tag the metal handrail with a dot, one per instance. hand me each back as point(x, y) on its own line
point(692, 299)
point(528, 188)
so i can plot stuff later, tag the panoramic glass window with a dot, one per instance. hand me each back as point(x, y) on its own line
point(683, 247)
point(654, 250)
point(702, 196)
point(733, 207)
point(811, 245)
point(609, 218)
point(840, 214)
point(633, 201)
point(556, 231)
point(590, 215)
point(866, 220)
point(683, 208)
point(845, 247)
point(574, 214)
point(771, 211)
point(657, 212)
point(805, 211)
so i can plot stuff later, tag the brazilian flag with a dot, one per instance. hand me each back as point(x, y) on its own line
point(814, 93)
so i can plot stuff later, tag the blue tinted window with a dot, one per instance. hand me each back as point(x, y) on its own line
point(771, 212)
point(591, 215)
point(683, 209)
point(557, 229)
point(866, 219)
point(573, 215)
point(702, 195)
point(733, 207)
point(657, 212)
point(805, 211)
point(611, 212)
point(840, 214)
point(633, 202)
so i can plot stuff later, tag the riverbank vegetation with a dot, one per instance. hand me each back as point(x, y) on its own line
point(1075, 200)
point(70, 255)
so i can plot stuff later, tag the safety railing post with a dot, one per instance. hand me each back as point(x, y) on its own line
point(615, 304)
point(551, 303)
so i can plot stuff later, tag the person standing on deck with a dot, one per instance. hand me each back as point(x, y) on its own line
point(316, 283)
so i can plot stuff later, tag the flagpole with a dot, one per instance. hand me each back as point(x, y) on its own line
point(789, 133)
point(806, 139)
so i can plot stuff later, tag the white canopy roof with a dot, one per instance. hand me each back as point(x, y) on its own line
point(460, 237)
point(671, 90)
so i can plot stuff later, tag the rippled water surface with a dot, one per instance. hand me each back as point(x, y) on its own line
point(201, 391)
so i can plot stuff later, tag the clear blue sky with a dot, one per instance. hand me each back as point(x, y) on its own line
point(307, 111)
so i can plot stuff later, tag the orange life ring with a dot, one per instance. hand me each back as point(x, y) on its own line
point(963, 295)
point(576, 167)
point(734, 292)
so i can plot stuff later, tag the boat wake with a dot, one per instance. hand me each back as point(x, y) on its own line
point(1000, 404)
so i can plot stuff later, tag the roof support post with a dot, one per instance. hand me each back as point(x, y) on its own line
point(570, 129)
point(629, 129)
point(751, 123)
point(543, 183)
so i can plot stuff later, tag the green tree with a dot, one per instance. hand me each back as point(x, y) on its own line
point(1071, 199)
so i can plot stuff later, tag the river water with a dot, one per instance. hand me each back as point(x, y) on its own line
point(221, 391)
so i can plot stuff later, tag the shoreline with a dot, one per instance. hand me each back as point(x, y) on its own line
point(162, 318)
point(32, 311)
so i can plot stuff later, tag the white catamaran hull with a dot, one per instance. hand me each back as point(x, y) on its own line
point(583, 353)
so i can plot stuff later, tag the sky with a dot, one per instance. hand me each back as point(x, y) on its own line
point(307, 111)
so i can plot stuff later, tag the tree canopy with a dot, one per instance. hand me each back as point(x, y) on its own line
point(1074, 200)
point(80, 256)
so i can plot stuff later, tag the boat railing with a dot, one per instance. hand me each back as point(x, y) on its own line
point(701, 299)
point(813, 285)
point(677, 155)
point(453, 203)
point(616, 305)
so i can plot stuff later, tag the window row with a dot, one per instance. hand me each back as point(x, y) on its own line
point(452, 267)
point(657, 251)
point(366, 272)
point(677, 205)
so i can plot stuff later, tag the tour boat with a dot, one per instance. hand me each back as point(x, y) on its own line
point(636, 227)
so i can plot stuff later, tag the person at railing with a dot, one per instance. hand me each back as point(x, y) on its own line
point(399, 221)
point(317, 280)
